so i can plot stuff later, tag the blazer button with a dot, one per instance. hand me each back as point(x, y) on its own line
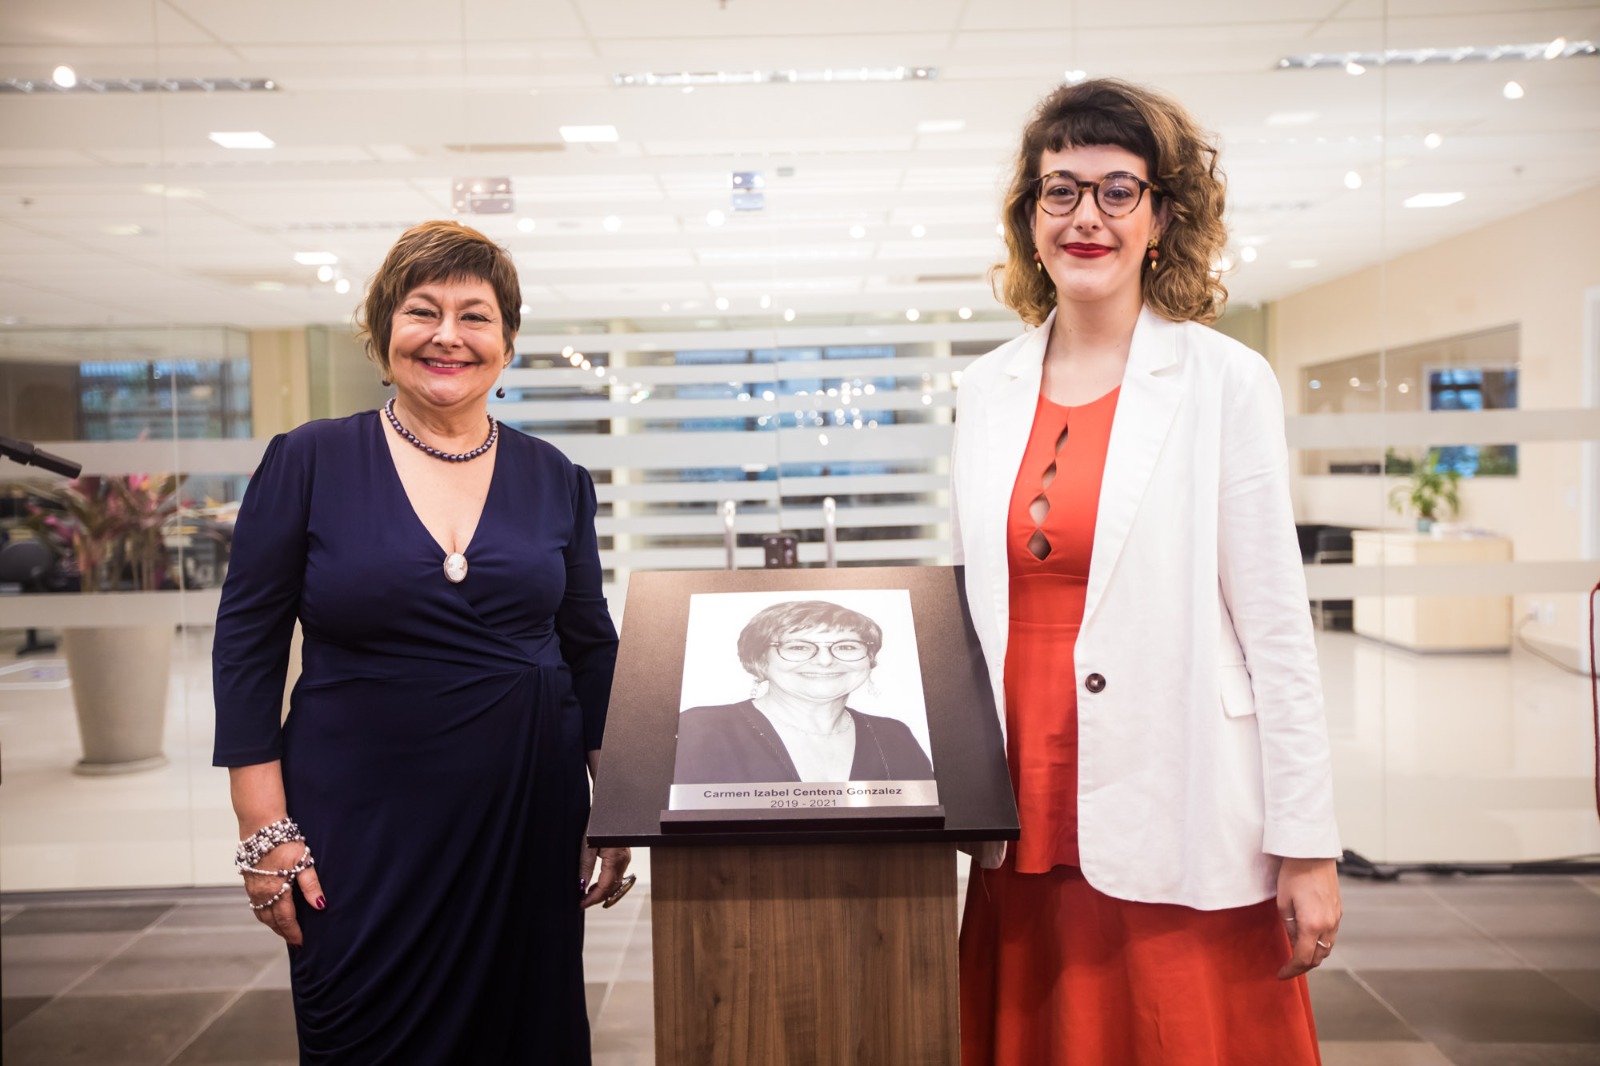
point(1094, 682)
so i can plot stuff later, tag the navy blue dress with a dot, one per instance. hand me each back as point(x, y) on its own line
point(434, 753)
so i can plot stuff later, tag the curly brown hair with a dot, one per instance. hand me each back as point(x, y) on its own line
point(441, 250)
point(1181, 161)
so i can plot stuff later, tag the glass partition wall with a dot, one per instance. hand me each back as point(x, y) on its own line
point(763, 294)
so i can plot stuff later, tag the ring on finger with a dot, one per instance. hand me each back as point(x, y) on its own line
point(620, 891)
point(1324, 945)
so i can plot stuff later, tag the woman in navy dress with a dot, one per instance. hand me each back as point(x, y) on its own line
point(456, 669)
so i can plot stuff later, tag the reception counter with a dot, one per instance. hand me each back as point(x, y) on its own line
point(1432, 623)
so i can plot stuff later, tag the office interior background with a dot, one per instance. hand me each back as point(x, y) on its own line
point(753, 240)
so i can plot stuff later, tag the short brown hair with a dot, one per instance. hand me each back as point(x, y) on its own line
point(441, 250)
point(1180, 160)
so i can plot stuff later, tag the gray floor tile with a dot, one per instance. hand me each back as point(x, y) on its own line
point(47, 965)
point(15, 1008)
point(1523, 1054)
point(1369, 1053)
point(1417, 935)
point(629, 1012)
point(185, 961)
point(109, 1030)
point(210, 916)
point(594, 996)
point(257, 1026)
point(275, 974)
point(1585, 984)
point(1552, 924)
point(1346, 1011)
point(1508, 1006)
point(88, 919)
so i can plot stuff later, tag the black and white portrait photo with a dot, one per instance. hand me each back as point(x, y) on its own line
point(802, 687)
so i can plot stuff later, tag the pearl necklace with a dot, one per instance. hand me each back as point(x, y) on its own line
point(449, 457)
point(455, 563)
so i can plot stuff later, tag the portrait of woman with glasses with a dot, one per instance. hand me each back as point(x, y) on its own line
point(1121, 488)
point(805, 658)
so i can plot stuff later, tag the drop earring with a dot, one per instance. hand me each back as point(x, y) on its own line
point(386, 382)
point(1153, 253)
point(500, 391)
point(1038, 264)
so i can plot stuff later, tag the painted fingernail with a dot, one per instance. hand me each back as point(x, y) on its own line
point(321, 904)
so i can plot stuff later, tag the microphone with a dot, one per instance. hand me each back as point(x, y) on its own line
point(20, 451)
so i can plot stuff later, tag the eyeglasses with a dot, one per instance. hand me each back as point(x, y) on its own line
point(1115, 195)
point(799, 651)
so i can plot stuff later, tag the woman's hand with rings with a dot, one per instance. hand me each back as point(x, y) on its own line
point(1308, 900)
point(278, 914)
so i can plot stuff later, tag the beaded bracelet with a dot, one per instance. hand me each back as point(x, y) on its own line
point(305, 863)
point(275, 897)
point(263, 840)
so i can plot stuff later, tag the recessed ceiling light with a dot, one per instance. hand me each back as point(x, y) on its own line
point(526, 225)
point(588, 134)
point(1073, 77)
point(66, 77)
point(1248, 253)
point(722, 303)
point(941, 125)
point(919, 230)
point(964, 313)
point(1435, 199)
point(611, 223)
point(312, 259)
point(524, 309)
point(912, 314)
point(715, 217)
point(674, 79)
point(242, 139)
point(1499, 53)
point(766, 302)
point(788, 314)
point(1352, 179)
point(858, 231)
point(1354, 69)
point(1433, 140)
point(1302, 264)
point(1554, 49)
point(324, 272)
point(1512, 91)
point(341, 286)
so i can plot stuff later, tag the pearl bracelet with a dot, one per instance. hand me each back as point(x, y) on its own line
point(263, 840)
point(275, 897)
point(305, 863)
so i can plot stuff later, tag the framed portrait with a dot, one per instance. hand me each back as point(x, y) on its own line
point(800, 704)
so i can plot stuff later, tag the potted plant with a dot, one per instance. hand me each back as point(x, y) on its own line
point(1428, 490)
point(110, 530)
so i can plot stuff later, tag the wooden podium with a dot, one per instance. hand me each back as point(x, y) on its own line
point(793, 938)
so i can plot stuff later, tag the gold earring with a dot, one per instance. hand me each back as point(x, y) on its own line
point(1038, 264)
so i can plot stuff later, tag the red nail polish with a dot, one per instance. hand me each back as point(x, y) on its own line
point(322, 904)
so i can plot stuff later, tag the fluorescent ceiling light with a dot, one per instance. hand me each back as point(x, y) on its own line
point(1302, 264)
point(124, 229)
point(312, 259)
point(941, 125)
point(1435, 199)
point(242, 139)
point(1555, 48)
point(1500, 53)
point(588, 134)
point(689, 79)
point(138, 85)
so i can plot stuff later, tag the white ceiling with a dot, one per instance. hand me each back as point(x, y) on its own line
point(374, 94)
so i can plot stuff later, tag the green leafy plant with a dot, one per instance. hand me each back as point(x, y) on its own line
point(111, 528)
point(1427, 490)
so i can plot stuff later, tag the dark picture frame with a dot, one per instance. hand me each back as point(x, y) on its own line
point(631, 802)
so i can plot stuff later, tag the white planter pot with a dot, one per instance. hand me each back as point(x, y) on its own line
point(119, 688)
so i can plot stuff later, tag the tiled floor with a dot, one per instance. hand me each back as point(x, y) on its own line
point(1429, 972)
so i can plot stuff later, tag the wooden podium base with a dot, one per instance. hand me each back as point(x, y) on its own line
point(805, 955)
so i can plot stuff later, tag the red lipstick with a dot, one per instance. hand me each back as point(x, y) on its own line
point(1087, 251)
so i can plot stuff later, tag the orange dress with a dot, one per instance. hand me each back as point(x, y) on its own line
point(1054, 973)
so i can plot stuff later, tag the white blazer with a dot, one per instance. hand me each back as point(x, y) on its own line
point(1203, 752)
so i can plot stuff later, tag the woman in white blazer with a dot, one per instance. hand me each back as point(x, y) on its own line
point(1143, 614)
